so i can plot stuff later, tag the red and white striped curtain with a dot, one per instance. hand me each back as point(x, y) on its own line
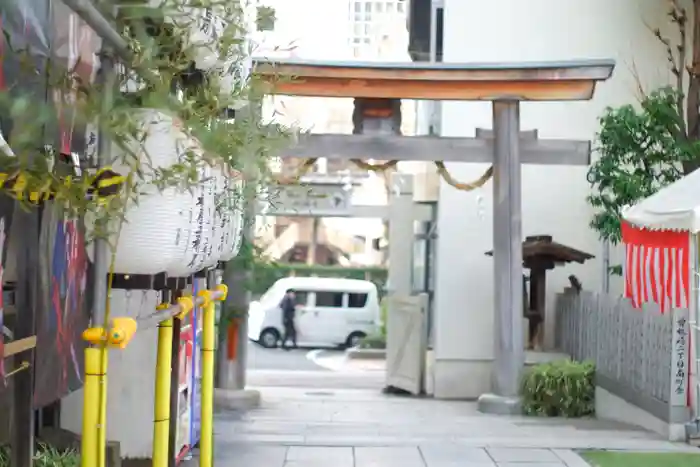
point(657, 267)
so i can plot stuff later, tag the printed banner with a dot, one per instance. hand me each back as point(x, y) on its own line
point(24, 52)
point(64, 299)
point(6, 208)
point(75, 46)
point(182, 438)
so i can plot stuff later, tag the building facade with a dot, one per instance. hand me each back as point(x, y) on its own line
point(351, 30)
point(554, 197)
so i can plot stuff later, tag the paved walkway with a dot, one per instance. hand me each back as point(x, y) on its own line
point(298, 427)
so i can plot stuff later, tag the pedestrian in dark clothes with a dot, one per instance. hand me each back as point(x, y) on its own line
point(289, 308)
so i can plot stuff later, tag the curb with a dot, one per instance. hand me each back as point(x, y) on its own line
point(366, 354)
point(241, 399)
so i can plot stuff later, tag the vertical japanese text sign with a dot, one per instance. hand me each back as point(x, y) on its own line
point(679, 358)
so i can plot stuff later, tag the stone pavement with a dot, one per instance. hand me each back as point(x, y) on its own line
point(302, 427)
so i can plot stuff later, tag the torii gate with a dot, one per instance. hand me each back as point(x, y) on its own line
point(506, 85)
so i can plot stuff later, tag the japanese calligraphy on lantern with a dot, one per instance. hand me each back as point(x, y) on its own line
point(679, 358)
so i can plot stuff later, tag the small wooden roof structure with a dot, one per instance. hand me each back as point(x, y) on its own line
point(541, 251)
point(535, 81)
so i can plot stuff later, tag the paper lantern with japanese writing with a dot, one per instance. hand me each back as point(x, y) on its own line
point(215, 186)
point(159, 223)
point(200, 234)
point(233, 218)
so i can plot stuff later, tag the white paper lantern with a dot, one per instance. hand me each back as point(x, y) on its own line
point(200, 235)
point(215, 186)
point(158, 225)
point(233, 218)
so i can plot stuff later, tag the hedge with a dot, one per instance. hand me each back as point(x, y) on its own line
point(559, 389)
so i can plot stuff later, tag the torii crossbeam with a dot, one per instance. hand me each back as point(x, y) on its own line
point(506, 85)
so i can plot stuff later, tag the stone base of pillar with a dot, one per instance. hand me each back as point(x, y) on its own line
point(499, 405)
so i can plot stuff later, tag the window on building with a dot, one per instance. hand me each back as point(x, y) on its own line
point(329, 299)
point(357, 300)
point(365, 16)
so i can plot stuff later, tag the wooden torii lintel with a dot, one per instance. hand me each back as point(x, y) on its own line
point(479, 149)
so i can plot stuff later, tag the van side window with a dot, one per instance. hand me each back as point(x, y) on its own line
point(357, 300)
point(329, 299)
point(301, 297)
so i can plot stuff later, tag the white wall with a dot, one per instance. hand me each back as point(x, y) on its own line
point(553, 197)
point(130, 382)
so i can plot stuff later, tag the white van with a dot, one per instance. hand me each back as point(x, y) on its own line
point(332, 311)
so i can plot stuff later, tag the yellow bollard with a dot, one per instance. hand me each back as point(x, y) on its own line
point(206, 439)
point(102, 416)
point(95, 405)
point(161, 418)
point(91, 409)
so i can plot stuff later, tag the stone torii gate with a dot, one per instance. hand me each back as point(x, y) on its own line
point(505, 85)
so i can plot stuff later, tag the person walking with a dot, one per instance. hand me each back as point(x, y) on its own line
point(289, 308)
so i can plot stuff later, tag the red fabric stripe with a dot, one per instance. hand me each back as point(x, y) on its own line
point(628, 271)
point(679, 278)
point(662, 279)
point(685, 275)
point(653, 264)
point(644, 253)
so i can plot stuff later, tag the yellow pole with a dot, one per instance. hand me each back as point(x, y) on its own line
point(206, 441)
point(102, 416)
point(161, 420)
point(91, 409)
point(94, 443)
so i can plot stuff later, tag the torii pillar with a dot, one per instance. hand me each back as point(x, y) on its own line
point(506, 85)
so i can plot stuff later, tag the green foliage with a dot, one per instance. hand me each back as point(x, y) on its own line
point(158, 75)
point(640, 151)
point(376, 341)
point(46, 456)
point(559, 389)
point(265, 274)
point(266, 18)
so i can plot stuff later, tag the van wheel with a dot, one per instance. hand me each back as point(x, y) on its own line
point(354, 339)
point(269, 338)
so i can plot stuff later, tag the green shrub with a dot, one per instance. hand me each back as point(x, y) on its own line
point(377, 341)
point(559, 389)
point(4, 456)
point(46, 456)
